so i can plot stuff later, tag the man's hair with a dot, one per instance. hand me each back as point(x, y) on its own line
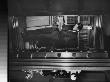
point(80, 26)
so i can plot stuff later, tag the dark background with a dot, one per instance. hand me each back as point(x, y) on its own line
point(49, 7)
point(56, 7)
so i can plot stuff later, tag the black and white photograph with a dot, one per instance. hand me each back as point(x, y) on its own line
point(55, 41)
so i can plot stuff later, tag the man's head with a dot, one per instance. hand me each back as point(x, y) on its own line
point(80, 26)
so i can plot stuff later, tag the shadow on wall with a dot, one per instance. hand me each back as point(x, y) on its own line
point(106, 24)
point(106, 28)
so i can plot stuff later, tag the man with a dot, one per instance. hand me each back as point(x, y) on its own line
point(78, 27)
